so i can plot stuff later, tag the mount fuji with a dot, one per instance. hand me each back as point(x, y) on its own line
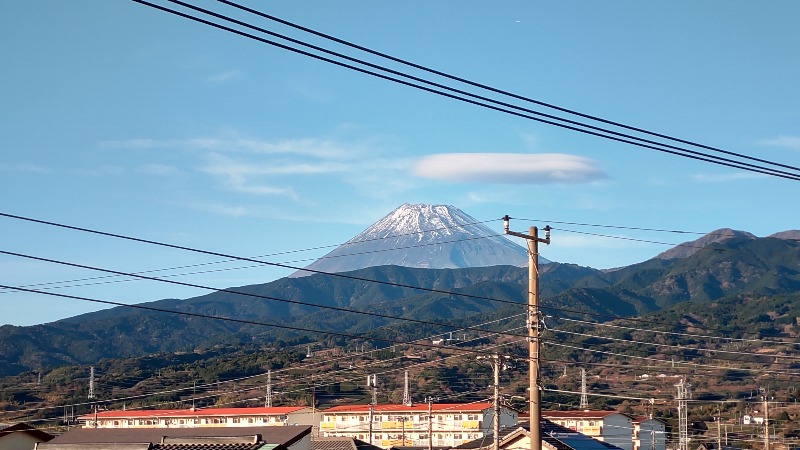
point(423, 236)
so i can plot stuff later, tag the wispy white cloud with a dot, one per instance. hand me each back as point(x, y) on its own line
point(725, 177)
point(789, 142)
point(219, 209)
point(225, 76)
point(103, 171)
point(24, 168)
point(512, 168)
point(141, 143)
point(159, 170)
point(320, 148)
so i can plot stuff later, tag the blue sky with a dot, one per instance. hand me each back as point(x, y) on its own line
point(125, 119)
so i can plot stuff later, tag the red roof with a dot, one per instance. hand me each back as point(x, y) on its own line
point(421, 407)
point(577, 414)
point(130, 414)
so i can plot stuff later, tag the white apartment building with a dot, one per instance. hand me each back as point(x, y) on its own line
point(200, 418)
point(445, 424)
point(612, 427)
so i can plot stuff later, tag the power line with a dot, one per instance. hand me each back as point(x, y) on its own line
point(529, 114)
point(245, 294)
point(346, 244)
point(333, 274)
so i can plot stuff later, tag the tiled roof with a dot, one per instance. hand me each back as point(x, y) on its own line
point(217, 446)
point(277, 410)
point(37, 434)
point(333, 443)
point(282, 436)
point(418, 408)
point(577, 414)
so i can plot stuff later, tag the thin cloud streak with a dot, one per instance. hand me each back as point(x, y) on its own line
point(509, 168)
point(320, 148)
point(789, 142)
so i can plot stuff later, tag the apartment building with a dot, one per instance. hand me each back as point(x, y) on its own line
point(438, 425)
point(201, 418)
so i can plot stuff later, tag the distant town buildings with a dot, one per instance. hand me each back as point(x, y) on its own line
point(441, 425)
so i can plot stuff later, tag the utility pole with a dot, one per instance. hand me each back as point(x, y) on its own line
point(430, 423)
point(683, 425)
point(371, 382)
point(497, 362)
point(533, 327)
point(766, 422)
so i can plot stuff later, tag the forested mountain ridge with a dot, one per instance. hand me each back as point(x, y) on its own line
point(766, 267)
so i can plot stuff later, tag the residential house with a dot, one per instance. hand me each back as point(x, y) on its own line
point(611, 427)
point(21, 436)
point(227, 438)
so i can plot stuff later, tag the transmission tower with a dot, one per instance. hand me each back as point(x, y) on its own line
point(91, 382)
point(268, 400)
point(683, 425)
point(584, 400)
point(406, 396)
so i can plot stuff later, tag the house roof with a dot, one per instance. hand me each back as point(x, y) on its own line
point(276, 437)
point(417, 408)
point(208, 412)
point(158, 446)
point(558, 415)
point(41, 436)
point(558, 437)
point(340, 443)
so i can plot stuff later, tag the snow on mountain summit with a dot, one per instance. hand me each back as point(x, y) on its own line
point(424, 236)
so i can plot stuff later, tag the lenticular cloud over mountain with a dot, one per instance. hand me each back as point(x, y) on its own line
point(424, 236)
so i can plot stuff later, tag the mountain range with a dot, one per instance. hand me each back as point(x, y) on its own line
point(300, 309)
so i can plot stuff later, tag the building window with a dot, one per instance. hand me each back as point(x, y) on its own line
point(457, 417)
point(235, 420)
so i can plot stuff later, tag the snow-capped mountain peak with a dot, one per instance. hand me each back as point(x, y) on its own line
point(426, 236)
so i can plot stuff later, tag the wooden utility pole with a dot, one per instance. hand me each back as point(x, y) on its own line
point(766, 422)
point(533, 327)
point(430, 423)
